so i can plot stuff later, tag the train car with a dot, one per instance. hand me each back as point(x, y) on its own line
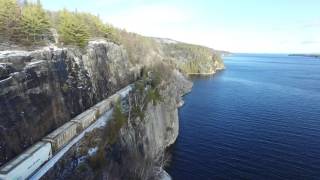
point(86, 118)
point(103, 106)
point(27, 162)
point(62, 135)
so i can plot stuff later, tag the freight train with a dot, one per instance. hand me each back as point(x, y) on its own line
point(30, 160)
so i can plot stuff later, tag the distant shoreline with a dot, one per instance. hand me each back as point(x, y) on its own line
point(306, 55)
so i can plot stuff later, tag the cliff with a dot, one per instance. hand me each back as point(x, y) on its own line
point(44, 88)
point(191, 59)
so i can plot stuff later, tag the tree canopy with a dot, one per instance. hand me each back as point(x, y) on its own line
point(9, 19)
point(29, 24)
point(72, 30)
point(35, 23)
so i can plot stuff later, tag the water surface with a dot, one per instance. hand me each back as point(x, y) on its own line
point(258, 119)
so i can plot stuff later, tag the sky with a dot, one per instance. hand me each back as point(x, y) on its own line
point(251, 26)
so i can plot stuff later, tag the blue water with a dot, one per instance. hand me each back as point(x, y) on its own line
point(258, 119)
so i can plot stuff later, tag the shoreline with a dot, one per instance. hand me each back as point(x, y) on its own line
point(305, 55)
point(208, 73)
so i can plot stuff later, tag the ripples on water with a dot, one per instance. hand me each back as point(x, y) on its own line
point(258, 119)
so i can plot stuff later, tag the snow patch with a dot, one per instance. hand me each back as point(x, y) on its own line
point(98, 41)
point(35, 63)
point(92, 151)
point(6, 54)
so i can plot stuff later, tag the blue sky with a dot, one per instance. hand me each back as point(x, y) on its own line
point(269, 26)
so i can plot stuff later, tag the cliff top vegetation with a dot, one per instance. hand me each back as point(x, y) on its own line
point(29, 24)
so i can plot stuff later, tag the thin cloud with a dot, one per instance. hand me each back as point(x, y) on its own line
point(149, 19)
point(310, 42)
point(312, 25)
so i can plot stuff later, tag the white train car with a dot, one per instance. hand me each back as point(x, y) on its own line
point(26, 163)
point(86, 118)
point(62, 135)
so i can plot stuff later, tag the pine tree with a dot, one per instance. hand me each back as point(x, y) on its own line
point(35, 23)
point(72, 30)
point(95, 25)
point(9, 20)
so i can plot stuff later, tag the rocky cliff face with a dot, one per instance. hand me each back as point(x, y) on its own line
point(140, 150)
point(42, 89)
point(136, 149)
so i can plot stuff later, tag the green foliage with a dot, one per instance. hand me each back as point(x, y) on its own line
point(35, 23)
point(10, 21)
point(137, 112)
point(217, 58)
point(98, 160)
point(153, 96)
point(76, 28)
point(109, 137)
point(93, 23)
point(97, 28)
point(82, 167)
point(190, 58)
point(30, 24)
point(139, 86)
point(137, 46)
point(72, 30)
point(118, 116)
point(191, 67)
point(112, 129)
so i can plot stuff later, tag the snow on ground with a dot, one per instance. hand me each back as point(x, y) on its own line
point(48, 165)
point(6, 54)
point(92, 151)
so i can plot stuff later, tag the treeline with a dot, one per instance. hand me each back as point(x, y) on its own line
point(29, 24)
point(191, 58)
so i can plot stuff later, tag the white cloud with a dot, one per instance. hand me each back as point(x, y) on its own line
point(149, 19)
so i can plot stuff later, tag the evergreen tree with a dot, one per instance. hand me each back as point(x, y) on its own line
point(9, 20)
point(35, 23)
point(96, 27)
point(93, 23)
point(72, 30)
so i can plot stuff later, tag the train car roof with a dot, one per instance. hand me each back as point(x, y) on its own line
point(101, 102)
point(85, 113)
point(60, 129)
